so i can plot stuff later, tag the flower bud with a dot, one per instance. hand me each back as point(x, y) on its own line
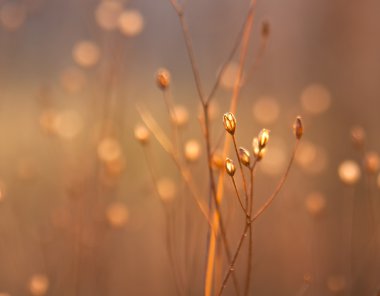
point(263, 138)
point(244, 156)
point(298, 127)
point(163, 78)
point(257, 151)
point(230, 167)
point(229, 122)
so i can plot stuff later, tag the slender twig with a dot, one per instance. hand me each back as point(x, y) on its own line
point(238, 196)
point(236, 91)
point(168, 147)
point(279, 186)
point(241, 171)
point(174, 268)
point(249, 261)
point(253, 219)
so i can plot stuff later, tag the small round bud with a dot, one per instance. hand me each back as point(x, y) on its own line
point(163, 78)
point(229, 122)
point(244, 156)
point(263, 138)
point(230, 167)
point(141, 134)
point(257, 151)
point(298, 128)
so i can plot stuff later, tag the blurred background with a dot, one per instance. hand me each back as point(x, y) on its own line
point(79, 213)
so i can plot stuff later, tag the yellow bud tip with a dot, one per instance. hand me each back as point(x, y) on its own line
point(163, 78)
point(244, 156)
point(298, 127)
point(230, 167)
point(229, 122)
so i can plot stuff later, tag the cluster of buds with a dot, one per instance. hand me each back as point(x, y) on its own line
point(259, 143)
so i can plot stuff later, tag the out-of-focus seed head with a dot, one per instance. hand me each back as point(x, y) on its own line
point(358, 136)
point(349, 172)
point(142, 134)
point(265, 29)
point(244, 156)
point(257, 151)
point(263, 138)
point(371, 162)
point(229, 122)
point(298, 128)
point(192, 150)
point(230, 167)
point(180, 116)
point(217, 161)
point(163, 78)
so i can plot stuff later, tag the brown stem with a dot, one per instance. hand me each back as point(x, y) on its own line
point(253, 219)
point(169, 244)
point(249, 261)
point(241, 171)
point(238, 196)
point(279, 186)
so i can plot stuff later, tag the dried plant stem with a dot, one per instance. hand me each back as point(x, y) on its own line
point(279, 185)
point(184, 171)
point(241, 171)
point(238, 196)
point(220, 187)
point(258, 214)
point(205, 105)
point(175, 269)
point(213, 193)
point(172, 116)
point(249, 261)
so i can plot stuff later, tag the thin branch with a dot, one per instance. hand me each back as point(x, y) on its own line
point(241, 171)
point(253, 219)
point(238, 196)
point(279, 186)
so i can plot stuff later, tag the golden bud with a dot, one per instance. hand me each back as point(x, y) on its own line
point(229, 122)
point(298, 127)
point(230, 167)
point(141, 134)
point(257, 151)
point(244, 156)
point(163, 78)
point(263, 138)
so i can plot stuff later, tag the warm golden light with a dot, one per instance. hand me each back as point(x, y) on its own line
point(266, 110)
point(315, 203)
point(86, 53)
point(131, 23)
point(192, 150)
point(117, 214)
point(38, 285)
point(107, 14)
point(167, 189)
point(315, 99)
point(349, 172)
point(109, 149)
